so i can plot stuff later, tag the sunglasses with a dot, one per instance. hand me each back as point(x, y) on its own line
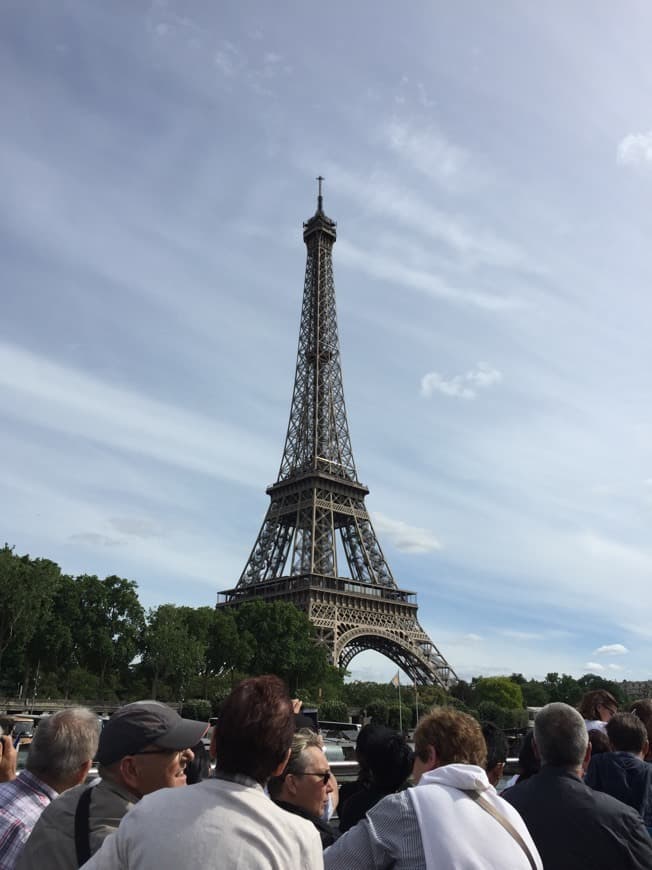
point(325, 776)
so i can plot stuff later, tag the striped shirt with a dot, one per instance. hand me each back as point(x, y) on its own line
point(22, 800)
point(389, 836)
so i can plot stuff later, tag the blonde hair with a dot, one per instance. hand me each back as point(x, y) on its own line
point(456, 737)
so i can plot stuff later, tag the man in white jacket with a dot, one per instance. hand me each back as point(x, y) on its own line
point(227, 820)
point(452, 819)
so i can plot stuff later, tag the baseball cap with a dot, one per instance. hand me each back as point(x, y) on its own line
point(135, 726)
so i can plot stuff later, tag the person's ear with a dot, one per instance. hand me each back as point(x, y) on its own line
point(535, 750)
point(433, 759)
point(83, 771)
point(290, 784)
point(129, 773)
point(646, 749)
point(587, 757)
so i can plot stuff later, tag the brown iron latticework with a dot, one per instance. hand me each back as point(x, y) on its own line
point(318, 499)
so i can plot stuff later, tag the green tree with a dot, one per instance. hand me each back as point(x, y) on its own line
point(110, 628)
point(171, 654)
point(464, 691)
point(534, 694)
point(285, 643)
point(378, 711)
point(333, 711)
point(499, 690)
point(562, 688)
point(26, 590)
point(590, 682)
point(228, 648)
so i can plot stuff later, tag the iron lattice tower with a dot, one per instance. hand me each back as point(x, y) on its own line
point(318, 500)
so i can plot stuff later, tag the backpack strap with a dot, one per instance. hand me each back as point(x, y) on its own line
point(500, 818)
point(82, 827)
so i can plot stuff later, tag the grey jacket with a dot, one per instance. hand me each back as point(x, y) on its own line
point(52, 841)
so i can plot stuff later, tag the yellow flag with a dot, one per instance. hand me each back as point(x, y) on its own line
point(395, 681)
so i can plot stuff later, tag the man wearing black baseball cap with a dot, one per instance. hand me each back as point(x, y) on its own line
point(144, 746)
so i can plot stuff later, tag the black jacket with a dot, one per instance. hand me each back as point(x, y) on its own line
point(623, 776)
point(327, 834)
point(576, 828)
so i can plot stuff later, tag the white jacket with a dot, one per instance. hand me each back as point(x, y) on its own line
point(457, 833)
point(215, 823)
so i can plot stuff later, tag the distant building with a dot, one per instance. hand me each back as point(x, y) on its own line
point(636, 689)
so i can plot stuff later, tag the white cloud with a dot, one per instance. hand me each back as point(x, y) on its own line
point(611, 649)
point(464, 386)
point(636, 148)
point(594, 666)
point(473, 637)
point(409, 539)
point(614, 667)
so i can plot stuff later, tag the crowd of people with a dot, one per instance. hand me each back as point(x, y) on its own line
point(270, 802)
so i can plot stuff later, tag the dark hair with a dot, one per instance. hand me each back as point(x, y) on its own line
point(389, 759)
point(643, 709)
point(590, 702)
point(528, 761)
point(496, 745)
point(200, 767)
point(599, 741)
point(456, 737)
point(255, 728)
point(626, 733)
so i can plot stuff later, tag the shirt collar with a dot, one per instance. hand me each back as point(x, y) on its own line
point(240, 778)
point(33, 782)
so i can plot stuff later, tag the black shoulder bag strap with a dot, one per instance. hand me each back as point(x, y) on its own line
point(500, 818)
point(82, 827)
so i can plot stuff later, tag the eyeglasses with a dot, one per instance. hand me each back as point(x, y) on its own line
point(325, 776)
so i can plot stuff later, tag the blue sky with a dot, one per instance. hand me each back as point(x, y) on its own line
point(490, 169)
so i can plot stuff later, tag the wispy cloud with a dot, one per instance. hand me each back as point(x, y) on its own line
point(635, 149)
point(392, 268)
point(521, 635)
point(67, 400)
point(138, 527)
point(94, 539)
point(380, 194)
point(611, 649)
point(410, 539)
point(471, 636)
point(427, 151)
point(464, 386)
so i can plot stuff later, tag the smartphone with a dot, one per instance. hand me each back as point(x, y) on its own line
point(17, 741)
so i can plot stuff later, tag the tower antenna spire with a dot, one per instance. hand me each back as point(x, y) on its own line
point(320, 198)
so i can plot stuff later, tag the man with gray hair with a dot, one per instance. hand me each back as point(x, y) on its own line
point(60, 756)
point(144, 746)
point(573, 826)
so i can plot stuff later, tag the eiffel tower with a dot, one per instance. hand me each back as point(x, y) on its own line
point(318, 498)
